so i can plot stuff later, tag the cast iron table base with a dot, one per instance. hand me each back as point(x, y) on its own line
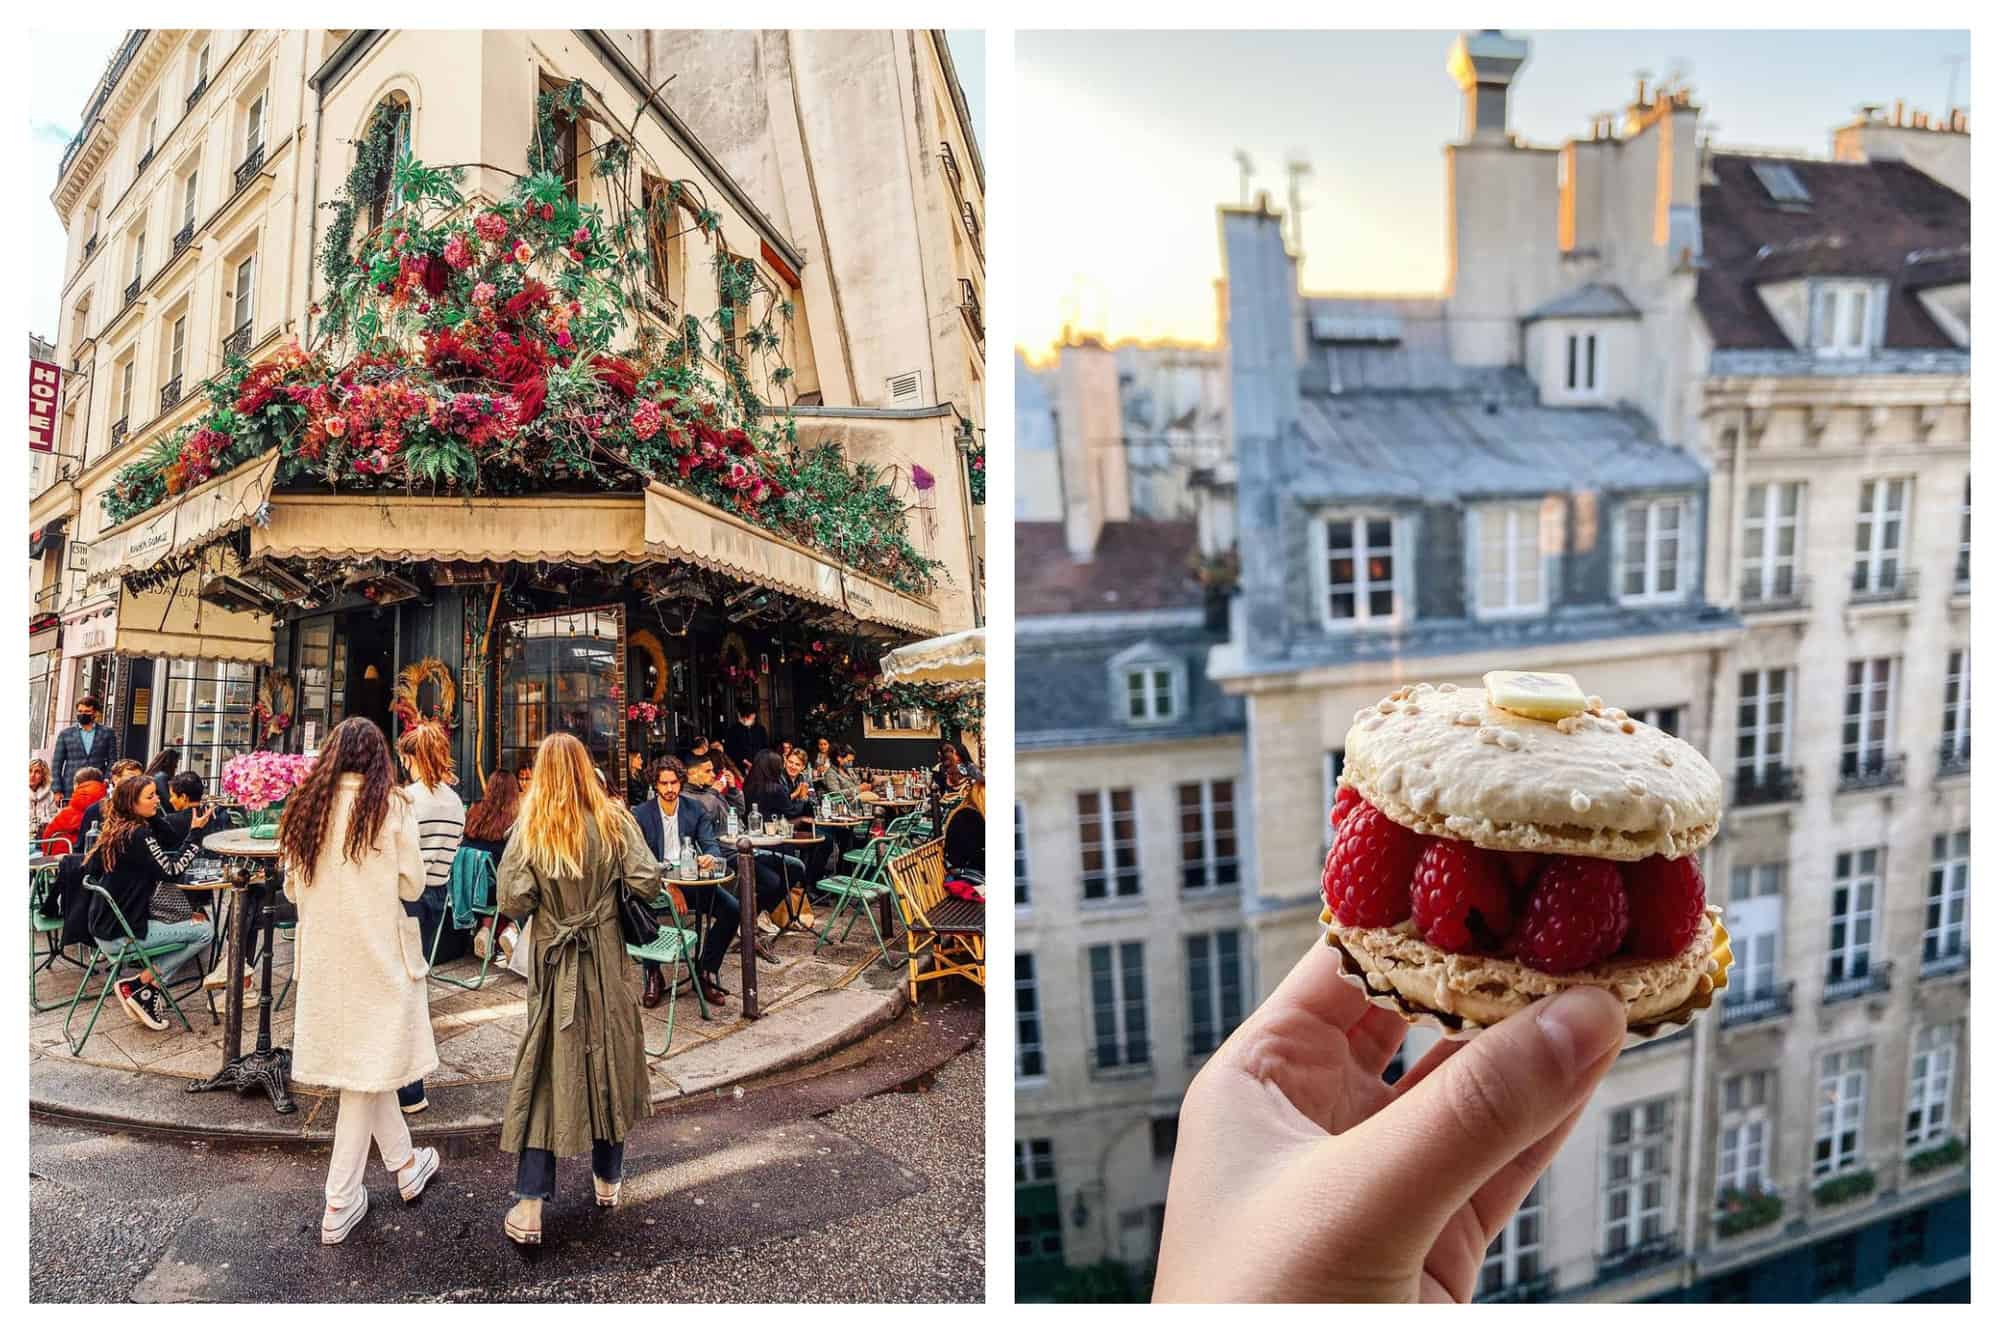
point(266, 1068)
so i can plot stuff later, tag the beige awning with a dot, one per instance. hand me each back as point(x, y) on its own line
point(183, 524)
point(680, 527)
point(949, 659)
point(171, 620)
point(576, 529)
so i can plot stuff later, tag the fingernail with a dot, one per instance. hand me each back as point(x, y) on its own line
point(1581, 1023)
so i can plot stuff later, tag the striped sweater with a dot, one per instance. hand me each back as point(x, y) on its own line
point(440, 827)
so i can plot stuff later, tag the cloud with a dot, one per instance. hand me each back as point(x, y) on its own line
point(45, 131)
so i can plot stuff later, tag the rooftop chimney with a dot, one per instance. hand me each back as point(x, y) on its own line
point(1484, 64)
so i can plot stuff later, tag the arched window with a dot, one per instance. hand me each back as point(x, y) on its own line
point(382, 196)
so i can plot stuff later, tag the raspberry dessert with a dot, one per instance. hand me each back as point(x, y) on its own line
point(1492, 848)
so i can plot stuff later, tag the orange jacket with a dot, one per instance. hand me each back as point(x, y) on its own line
point(68, 822)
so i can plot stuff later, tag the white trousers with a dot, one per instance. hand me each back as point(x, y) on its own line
point(364, 1116)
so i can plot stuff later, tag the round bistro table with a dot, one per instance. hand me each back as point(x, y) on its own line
point(254, 885)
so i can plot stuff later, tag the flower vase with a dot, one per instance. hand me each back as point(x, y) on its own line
point(264, 823)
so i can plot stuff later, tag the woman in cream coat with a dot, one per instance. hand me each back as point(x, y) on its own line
point(352, 858)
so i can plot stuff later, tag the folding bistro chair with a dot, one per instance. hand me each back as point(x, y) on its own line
point(858, 893)
point(953, 929)
point(675, 944)
point(131, 949)
point(47, 928)
point(474, 889)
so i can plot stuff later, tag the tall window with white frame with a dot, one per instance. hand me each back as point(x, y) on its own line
point(244, 301)
point(1962, 571)
point(1107, 833)
point(1955, 739)
point(1841, 319)
point(1771, 541)
point(1933, 1061)
point(1038, 1223)
point(1857, 880)
point(1512, 579)
point(138, 257)
point(1028, 1059)
point(1638, 1176)
point(190, 194)
point(1868, 724)
point(1361, 570)
point(1756, 920)
point(125, 375)
point(1742, 1142)
point(1878, 537)
point(1842, 1111)
point(1020, 855)
point(1657, 542)
point(176, 358)
point(1515, 1256)
point(1118, 1005)
point(1667, 718)
point(1208, 835)
point(1150, 693)
point(253, 128)
point(1946, 931)
point(1580, 370)
point(1763, 734)
point(1215, 988)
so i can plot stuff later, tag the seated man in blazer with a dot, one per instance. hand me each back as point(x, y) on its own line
point(668, 823)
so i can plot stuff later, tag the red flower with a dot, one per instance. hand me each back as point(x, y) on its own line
point(548, 212)
point(530, 394)
point(436, 276)
point(616, 374)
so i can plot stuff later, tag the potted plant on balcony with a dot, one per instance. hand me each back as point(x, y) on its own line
point(1851, 1185)
point(1952, 1152)
point(1739, 1211)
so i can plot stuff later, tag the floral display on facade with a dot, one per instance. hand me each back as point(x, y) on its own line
point(262, 778)
point(496, 348)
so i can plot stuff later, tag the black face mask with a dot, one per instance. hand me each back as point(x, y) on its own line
point(86, 719)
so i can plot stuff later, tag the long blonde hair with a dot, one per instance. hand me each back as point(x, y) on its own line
point(563, 799)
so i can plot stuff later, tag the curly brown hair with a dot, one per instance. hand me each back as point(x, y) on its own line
point(356, 746)
point(492, 817)
point(121, 819)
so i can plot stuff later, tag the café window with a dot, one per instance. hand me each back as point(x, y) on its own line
point(904, 723)
point(322, 680)
point(41, 686)
point(564, 672)
point(207, 715)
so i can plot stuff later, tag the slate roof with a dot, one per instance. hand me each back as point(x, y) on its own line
point(1062, 687)
point(1593, 300)
point(1140, 565)
point(1434, 447)
point(1418, 359)
point(1864, 219)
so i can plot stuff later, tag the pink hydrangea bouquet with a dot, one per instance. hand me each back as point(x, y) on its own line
point(263, 777)
point(643, 712)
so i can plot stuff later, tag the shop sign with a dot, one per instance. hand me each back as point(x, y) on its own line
point(44, 392)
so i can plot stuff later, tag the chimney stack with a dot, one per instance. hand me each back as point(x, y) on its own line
point(1483, 64)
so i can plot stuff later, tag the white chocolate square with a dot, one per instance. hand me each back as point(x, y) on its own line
point(1547, 695)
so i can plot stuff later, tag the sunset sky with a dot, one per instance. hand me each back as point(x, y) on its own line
point(1119, 233)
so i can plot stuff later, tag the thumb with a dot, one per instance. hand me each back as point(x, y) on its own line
point(1508, 1087)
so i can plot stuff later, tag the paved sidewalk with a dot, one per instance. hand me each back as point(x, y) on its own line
point(130, 1076)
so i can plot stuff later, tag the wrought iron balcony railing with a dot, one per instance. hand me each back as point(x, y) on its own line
point(971, 220)
point(47, 599)
point(118, 429)
point(145, 159)
point(1774, 786)
point(182, 239)
point(1945, 964)
point(170, 393)
point(1859, 773)
point(90, 247)
point(1787, 592)
point(1902, 587)
point(132, 291)
point(1756, 1006)
point(195, 96)
point(968, 305)
point(1537, 1288)
point(1871, 982)
point(251, 166)
point(1954, 757)
point(238, 341)
point(1638, 1258)
point(950, 160)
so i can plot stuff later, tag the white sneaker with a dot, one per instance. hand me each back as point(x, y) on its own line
point(335, 1226)
point(510, 938)
point(412, 1178)
point(482, 942)
point(764, 926)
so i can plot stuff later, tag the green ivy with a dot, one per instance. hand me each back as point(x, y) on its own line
point(1853, 1185)
point(1951, 1152)
point(373, 157)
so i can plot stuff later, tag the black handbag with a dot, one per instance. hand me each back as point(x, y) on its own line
point(636, 921)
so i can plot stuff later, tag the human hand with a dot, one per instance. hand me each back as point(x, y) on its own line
point(1300, 1176)
point(705, 861)
point(201, 816)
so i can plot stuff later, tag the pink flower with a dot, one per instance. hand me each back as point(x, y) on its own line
point(336, 426)
point(581, 236)
point(491, 227)
point(402, 240)
point(646, 419)
point(575, 255)
point(483, 294)
point(523, 253)
point(456, 252)
point(739, 476)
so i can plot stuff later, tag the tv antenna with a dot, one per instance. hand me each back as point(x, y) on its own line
point(1951, 90)
point(1243, 170)
point(1296, 170)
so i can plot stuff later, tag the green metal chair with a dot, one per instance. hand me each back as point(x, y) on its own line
point(131, 949)
point(484, 902)
point(857, 894)
point(49, 930)
point(675, 944)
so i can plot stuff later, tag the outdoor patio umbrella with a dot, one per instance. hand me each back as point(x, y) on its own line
point(949, 659)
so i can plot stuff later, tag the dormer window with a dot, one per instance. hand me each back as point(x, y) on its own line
point(1656, 551)
point(1148, 686)
point(1583, 374)
point(1356, 574)
point(1843, 322)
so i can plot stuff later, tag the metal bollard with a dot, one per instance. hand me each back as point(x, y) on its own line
point(746, 939)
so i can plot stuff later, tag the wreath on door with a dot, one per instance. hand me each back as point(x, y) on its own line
point(646, 642)
point(734, 659)
point(407, 703)
point(272, 712)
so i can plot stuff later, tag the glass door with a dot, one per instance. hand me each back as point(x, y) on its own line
point(565, 671)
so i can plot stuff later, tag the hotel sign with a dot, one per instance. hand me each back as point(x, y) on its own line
point(44, 392)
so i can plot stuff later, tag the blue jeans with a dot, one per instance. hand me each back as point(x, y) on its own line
point(536, 1178)
point(192, 937)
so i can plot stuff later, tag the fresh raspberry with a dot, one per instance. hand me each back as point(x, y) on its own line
point(1368, 871)
point(1344, 802)
point(1459, 898)
point(1667, 901)
point(1575, 917)
point(1523, 869)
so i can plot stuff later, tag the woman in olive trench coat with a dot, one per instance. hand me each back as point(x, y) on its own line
point(580, 1080)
